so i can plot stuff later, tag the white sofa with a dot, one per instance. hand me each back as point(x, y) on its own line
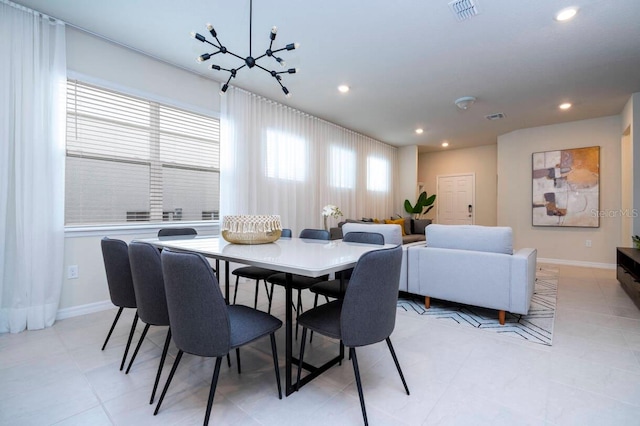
point(474, 265)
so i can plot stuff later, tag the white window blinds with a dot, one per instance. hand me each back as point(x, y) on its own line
point(135, 160)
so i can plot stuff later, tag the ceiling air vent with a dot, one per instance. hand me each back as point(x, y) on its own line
point(464, 9)
point(496, 116)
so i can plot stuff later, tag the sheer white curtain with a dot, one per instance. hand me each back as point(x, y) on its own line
point(277, 160)
point(32, 83)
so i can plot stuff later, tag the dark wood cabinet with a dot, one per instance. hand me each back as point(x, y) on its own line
point(628, 272)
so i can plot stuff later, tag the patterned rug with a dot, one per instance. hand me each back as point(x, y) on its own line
point(536, 327)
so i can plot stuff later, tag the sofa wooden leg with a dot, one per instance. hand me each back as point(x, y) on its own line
point(501, 316)
point(427, 302)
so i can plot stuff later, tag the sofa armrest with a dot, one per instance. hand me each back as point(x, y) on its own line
point(523, 279)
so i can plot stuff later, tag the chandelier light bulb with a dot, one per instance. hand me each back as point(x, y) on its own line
point(565, 106)
point(343, 88)
point(419, 131)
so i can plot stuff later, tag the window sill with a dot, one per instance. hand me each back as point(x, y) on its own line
point(207, 227)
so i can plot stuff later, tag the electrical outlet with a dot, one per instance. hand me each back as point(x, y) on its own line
point(587, 243)
point(72, 272)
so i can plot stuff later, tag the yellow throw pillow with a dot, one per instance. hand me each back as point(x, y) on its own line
point(396, 222)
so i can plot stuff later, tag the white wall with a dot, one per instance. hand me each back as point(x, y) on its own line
point(479, 160)
point(407, 188)
point(515, 151)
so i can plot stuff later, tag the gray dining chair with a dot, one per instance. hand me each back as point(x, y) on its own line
point(173, 232)
point(116, 264)
point(336, 288)
point(258, 274)
point(183, 232)
point(365, 316)
point(146, 270)
point(300, 282)
point(203, 324)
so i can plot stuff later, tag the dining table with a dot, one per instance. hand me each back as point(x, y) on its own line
point(308, 257)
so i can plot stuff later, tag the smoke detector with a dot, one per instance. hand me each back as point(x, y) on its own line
point(465, 102)
point(464, 9)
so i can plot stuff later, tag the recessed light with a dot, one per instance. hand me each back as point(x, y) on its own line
point(566, 14)
point(445, 144)
point(564, 106)
point(419, 131)
point(343, 88)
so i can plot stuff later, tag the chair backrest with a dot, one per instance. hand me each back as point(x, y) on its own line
point(370, 303)
point(364, 237)
point(392, 233)
point(116, 264)
point(146, 270)
point(172, 232)
point(286, 233)
point(315, 234)
point(197, 310)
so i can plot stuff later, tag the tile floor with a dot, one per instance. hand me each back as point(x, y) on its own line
point(457, 376)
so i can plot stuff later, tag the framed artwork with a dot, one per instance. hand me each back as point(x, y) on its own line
point(566, 188)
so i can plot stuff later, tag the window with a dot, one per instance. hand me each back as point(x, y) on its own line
point(342, 167)
point(377, 174)
point(286, 156)
point(134, 160)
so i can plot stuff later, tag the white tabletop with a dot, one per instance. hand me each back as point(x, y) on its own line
point(312, 258)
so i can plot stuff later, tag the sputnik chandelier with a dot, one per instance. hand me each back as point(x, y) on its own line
point(249, 61)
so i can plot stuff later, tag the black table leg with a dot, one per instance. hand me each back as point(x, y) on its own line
point(289, 388)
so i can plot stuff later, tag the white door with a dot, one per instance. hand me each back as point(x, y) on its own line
point(456, 198)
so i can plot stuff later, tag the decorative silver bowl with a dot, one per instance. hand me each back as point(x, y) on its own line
point(251, 229)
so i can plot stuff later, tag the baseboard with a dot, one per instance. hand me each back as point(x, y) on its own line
point(89, 308)
point(578, 263)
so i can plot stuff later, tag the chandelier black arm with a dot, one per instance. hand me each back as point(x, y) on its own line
point(262, 68)
point(261, 56)
point(217, 46)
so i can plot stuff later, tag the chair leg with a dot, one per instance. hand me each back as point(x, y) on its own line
point(304, 338)
point(315, 305)
point(356, 372)
point(212, 391)
point(126, 350)
point(112, 327)
point(162, 358)
point(274, 351)
point(166, 386)
point(395, 359)
point(255, 299)
point(135, 353)
point(270, 298)
point(298, 309)
point(235, 291)
point(238, 359)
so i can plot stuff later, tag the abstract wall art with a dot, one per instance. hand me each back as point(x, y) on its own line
point(566, 187)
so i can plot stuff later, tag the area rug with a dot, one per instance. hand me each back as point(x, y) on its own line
point(536, 327)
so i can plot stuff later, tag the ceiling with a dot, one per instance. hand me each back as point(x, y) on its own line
point(405, 61)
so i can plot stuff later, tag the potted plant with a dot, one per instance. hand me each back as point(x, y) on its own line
point(636, 241)
point(424, 202)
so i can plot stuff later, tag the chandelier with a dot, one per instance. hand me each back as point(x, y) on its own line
point(249, 61)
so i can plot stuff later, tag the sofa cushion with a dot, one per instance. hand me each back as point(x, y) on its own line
point(419, 225)
point(494, 239)
point(408, 226)
point(397, 222)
